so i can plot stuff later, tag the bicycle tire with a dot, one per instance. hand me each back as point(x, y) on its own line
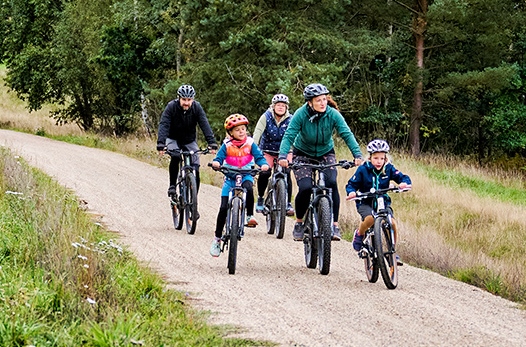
point(309, 246)
point(370, 263)
point(325, 236)
point(281, 208)
point(177, 212)
point(235, 224)
point(270, 217)
point(386, 257)
point(190, 205)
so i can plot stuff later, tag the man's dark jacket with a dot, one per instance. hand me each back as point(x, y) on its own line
point(180, 125)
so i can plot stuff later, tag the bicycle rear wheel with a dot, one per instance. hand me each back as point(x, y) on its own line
point(370, 263)
point(235, 224)
point(190, 203)
point(281, 208)
point(310, 247)
point(385, 250)
point(325, 235)
point(177, 211)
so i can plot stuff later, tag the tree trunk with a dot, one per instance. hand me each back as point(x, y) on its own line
point(419, 28)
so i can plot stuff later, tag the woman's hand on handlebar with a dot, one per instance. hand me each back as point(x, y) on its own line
point(283, 163)
point(358, 161)
point(403, 186)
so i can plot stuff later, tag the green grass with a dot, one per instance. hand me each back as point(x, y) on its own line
point(65, 281)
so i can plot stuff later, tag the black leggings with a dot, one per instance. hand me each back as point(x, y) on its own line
point(174, 171)
point(305, 188)
point(223, 209)
point(263, 179)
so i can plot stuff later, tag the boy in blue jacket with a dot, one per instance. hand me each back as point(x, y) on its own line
point(376, 173)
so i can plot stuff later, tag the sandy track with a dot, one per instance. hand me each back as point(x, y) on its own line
point(272, 296)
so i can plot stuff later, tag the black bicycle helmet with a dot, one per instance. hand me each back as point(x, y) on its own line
point(280, 98)
point(377, 145)
point(186, 91)
point(313, 90)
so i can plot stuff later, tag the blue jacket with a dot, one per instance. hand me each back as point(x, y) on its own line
point(367, 177)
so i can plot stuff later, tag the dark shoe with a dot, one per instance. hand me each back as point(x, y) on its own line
point(399, 261)
point(259, 206)
point(357, 241)
point(290, 210)
point(336, 234)
point(172, 191)
point(297, 233)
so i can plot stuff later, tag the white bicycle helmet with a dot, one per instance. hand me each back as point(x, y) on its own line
point(280, 98)
point(378, 146)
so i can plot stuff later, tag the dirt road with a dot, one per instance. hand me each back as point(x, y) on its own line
point(272, 296)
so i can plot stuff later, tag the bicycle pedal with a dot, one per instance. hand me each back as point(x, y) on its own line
point(250, 226)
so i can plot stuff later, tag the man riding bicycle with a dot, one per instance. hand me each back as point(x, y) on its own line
point(177, 130)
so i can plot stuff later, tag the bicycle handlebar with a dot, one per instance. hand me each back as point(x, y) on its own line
point(172, 152)
point(227, 169)
point(321, 166)
point(377, 192)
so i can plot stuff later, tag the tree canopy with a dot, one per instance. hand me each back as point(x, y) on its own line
point(442, 75)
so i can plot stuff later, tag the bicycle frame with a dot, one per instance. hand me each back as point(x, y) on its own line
point(319, 218)
point(378, 250)
point(235, 225)
point(275, 209)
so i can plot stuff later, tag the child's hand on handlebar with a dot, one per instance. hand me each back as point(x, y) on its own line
point(264, 167)
point(351, 195)
point(216, 165)
point(404, 185)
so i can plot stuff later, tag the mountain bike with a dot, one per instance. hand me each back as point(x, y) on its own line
point(235, 219)
point(183, 202)
point(276, 201)
point(378, 249)
point(318, 220)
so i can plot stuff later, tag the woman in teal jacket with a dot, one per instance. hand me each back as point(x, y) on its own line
point(310, 133)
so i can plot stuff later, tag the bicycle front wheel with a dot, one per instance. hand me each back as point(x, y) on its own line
point(190, 203)
point(281, 208)
point(385, 250)
point(310, 248)
point(270, 216)
point(325, 236)
point(235, 225)
point(370, 262)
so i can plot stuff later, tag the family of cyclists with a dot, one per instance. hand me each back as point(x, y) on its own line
point(282, 138)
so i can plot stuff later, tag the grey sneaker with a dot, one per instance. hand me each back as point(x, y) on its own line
point(336, 234)
point(259, 205)
point(215, 248)
point(297, 233)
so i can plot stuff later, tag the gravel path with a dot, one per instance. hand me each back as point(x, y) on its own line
point(272, 296)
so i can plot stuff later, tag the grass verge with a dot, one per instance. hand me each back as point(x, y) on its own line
point(66, 282)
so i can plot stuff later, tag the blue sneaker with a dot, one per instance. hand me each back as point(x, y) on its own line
point(399, 261)
point(357, 241)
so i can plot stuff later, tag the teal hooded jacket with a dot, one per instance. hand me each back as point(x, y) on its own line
point(311, 133)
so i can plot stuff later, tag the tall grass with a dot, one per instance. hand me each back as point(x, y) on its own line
point(65, 281)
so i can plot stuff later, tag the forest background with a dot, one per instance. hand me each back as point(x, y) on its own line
point(445, 76)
